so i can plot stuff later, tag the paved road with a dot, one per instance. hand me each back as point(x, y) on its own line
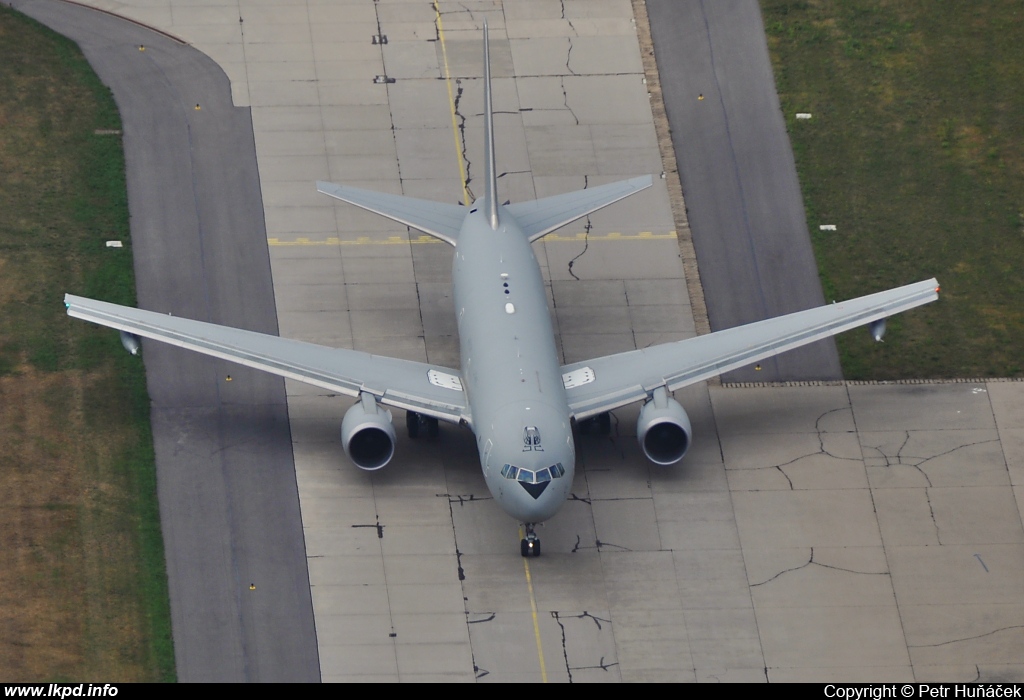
point(739, 180)
point(228, 498)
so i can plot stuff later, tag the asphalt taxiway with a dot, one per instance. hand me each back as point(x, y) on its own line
point(743, 198)
point(225, 476)
point(868, 532)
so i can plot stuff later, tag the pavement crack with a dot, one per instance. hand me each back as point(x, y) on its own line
point(565, 649)
point(568, 57)
point(569, 668)
point(951, 451)
point(599, 544)
point(822, 450)
point(568, 21)
point(463, 499)
point(490, 617)
point(965, 639)
point(376, 526)
point(906, 439)
point(931, 512)
point(821, 436)
point(477, 671)
point(461, 124)
point(586, 237)
point(817, 423)
point(783, 472)
point(565, 101)
point(601, 665)
point(904, 460)
point(597, 620)
point(810, 562)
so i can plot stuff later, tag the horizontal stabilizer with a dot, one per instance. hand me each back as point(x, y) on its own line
point(542, 216)
point(443, 221)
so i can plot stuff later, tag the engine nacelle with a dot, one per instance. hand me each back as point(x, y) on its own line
point(663, 429)
point(367, 434)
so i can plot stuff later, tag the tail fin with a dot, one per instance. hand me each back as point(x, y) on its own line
point(491, 193)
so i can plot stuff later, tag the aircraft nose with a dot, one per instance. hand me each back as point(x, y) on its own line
point(535, 490)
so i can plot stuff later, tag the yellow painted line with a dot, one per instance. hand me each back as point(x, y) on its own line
point(424, 239)
point(430, 239)
point(533, 611)
point(451, 105)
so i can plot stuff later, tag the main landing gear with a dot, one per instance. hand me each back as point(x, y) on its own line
point(530, 546)
point(600, 424)
point(418, 424)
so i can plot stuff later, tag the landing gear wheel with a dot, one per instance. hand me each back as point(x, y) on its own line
point(416, 424)
point(530, 546)
point(602, 423)
point(432, 427)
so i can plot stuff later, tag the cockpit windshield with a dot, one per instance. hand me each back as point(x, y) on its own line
point(527, 476)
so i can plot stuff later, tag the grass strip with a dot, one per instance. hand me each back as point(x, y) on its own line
point(915, 152)
point(83, 587)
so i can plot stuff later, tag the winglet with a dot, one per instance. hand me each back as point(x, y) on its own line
point(491, 193)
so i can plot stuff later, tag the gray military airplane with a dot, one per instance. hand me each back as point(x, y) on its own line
point(511, 391)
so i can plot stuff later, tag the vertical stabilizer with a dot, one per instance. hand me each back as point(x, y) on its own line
point(491, 193)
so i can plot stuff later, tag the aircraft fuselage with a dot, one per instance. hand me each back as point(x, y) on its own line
point(510, 369)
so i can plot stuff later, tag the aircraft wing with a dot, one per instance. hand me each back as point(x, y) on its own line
point(606, 383)
point(542, 216)
point(440, 220)
point(427, 389)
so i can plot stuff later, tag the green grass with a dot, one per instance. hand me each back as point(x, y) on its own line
point(916, 153)
point(83, 587)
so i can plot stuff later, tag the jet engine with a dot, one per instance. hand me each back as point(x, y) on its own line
point(663, 429)
point(367, 434)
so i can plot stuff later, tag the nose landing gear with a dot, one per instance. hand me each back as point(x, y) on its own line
point(530, 545)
